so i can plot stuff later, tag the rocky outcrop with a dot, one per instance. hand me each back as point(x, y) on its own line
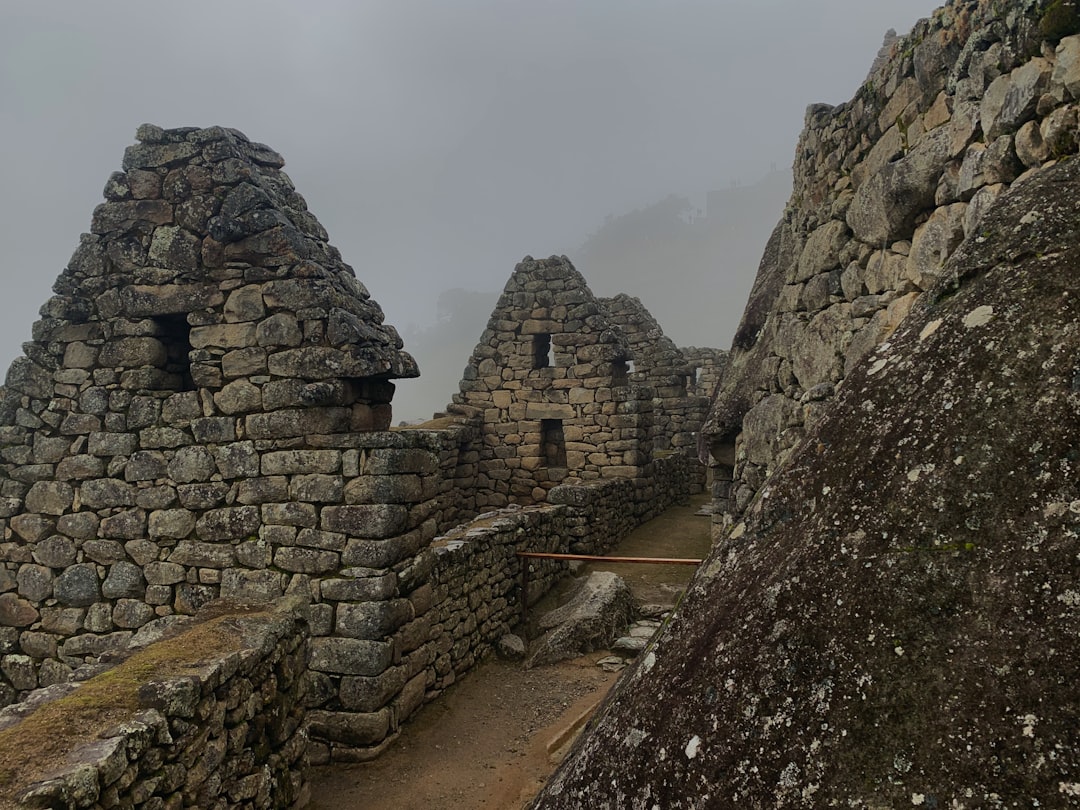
point(894, 621)
point(889, 615)
point(886, 186)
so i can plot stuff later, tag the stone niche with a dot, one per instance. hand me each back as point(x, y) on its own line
point(550, 379)
point(192, 407)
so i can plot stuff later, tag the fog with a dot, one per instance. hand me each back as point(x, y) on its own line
point(439, 141)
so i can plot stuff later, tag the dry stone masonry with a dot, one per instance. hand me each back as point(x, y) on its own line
point(975, 99)
point(218, 723)
point(203, 414)
point(550, 380)
point(659, 364)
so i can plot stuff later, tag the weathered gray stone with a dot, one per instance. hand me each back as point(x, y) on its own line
point(599, 609)
point(50, 497)
point(350, 656)
point(374, 521)
point(31, 527)
point(55, 551)
point(251, 586)
point(349, 728)
point(164, 573)
point(35, 582)
point(231, 523)
point(77, 586)
point(123, 580)
point(127, 525)
point(191, 464)
point(372, 620)
point(171, 523)
point(131, 613)
point(237, 460)
point(887, 204)
point(16, 612)
point(104, 552)
point(306, 560)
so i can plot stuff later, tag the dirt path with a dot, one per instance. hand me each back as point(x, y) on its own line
point(484, 744)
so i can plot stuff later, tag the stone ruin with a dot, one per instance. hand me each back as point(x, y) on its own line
point(889, 614)
point(202, 418)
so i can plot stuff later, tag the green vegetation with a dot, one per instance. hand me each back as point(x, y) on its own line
point(1060, 20)
point(39, 743)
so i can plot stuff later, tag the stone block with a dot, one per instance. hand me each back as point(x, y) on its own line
point(229, 523)
point(396, 461)
point(291, 513)
point(311, 538)
point(361, 694)
point(171, 523)
point(35, 582)
point(317, 488)
point(349, 728)
point(372, 620)
point(16, 611)
point(360, 589)
point(55, 551)
point(132, 613)
point(203, 555)
point(237, 460)
point(214, 429)
point(124, 580)
point(306, 560)
point(127, 525)
point(78, 586)
point(384, 489)
point(243, 363)
point(223, 336)
point(104, 552)
point(251, 586)
point(375, 521)
point(293, 462)
point(164, 573)
point(350, 656)
point(191, 464)
point(50, 497)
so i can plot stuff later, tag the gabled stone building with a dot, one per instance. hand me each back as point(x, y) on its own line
point(550, 381)
point(184, 424)
point(678, 411)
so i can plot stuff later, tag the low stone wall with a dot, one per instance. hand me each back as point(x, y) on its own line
point(171, 728)
point(444, 609)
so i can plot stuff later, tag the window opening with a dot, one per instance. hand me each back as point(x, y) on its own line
point(619, 372)
point(542, 355)
point(552, 443)
point(175, 333)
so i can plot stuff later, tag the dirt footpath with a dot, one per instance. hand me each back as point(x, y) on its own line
point(484, 744)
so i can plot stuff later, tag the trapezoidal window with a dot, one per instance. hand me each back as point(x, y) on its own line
point(620, 370)
point(542, 356)
point(552, 443)
point(175, 333)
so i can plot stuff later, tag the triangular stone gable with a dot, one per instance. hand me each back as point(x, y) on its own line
point(677, 412)
point(204, 272)
point(550, 377)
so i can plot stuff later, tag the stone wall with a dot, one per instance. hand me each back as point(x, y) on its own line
point(213, 720)
point(886, 186)
point(678, 411)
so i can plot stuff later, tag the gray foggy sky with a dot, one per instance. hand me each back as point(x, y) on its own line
point(438, 141)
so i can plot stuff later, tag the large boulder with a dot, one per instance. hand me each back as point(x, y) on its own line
point(896, 621)
point(598, 610)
